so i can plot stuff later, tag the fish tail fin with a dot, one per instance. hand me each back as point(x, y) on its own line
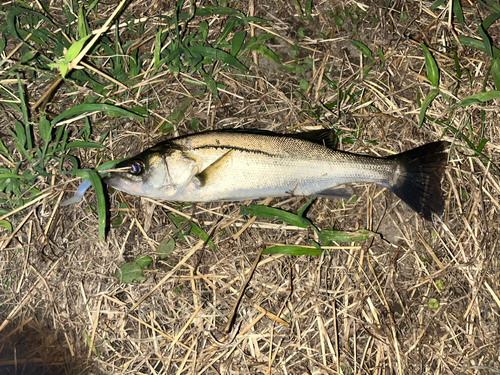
point(418, 183)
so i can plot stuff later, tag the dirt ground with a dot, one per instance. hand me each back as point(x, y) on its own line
point(420, 298)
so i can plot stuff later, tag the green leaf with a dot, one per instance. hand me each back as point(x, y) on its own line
point(45, 128)
point(457, 11)
point(178, 113)
point(95, 180)
point(431, 66)
point(109, 164)
point(480, 98)
point(82, 25)
point(477, 44)
point(3, 43)
point(201, 234)
point(4, 149)
point(144, 260)
point(272, 213)
point(87, 108)
point(362, 48)
point(292, 250)
point(5, 224)
point(75, 49)
point(212, 86)
point(194, 229)
point(129, 272)
point(304, 85)
point(490, 20)
point(308, 8)
point(219, 55)
point(20, 135)
point(440, 285)
point(427, 101)
point(495, 70)
point(157, 49)
point(237, 41)
point(166, 247)
point(195, 124)
point(63, 68)
point(341, 236)
point(436, 4)
point(24, 109)
point(266, 52)
point(28, 56)
point(486, 41)
point(433, 303)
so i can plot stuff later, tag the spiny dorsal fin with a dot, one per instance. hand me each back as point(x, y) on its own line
point(325, 137)
point(213, 171)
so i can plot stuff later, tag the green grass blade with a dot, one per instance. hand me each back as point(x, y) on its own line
point(237, 41)
point(495, 70)
point(273, 213)
point(457, 11)
point(308, 9)
point(490, 20)
point(431, 66)
point(45, 129)
point(266, 52)
point(436, 4)
point(491, 5)
point(477, 44)
point(427, 101)
point(362, 48)
point(75, 49)
point(24, 109)
point(95, 180)
point(3, 43)
point(230, 25)
point(292, 250)
point(486, 41)
point(480, 98)
point(6, 225)
point(87, 108)
point(341, 236)
point(219, 55)
point(11, 21)
point(194, 229)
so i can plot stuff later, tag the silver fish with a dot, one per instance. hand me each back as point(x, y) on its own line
point(242, 165)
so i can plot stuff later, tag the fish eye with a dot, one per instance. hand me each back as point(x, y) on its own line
point(136, 167)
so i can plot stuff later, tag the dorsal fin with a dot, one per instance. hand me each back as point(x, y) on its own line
point(324, 137)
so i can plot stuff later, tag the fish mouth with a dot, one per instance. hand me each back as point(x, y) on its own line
point(109, 180)
point(123, 183)
point(119, 182)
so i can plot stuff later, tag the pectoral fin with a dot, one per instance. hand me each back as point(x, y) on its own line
point(338, 192)
point(214, 170)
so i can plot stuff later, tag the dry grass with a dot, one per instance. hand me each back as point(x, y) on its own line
point(356, 309)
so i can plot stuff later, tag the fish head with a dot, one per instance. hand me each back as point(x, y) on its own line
point(156, 173)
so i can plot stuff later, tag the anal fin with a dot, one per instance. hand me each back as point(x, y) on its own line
point(337, 192)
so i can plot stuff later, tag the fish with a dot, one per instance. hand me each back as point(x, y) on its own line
point(240, 165)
